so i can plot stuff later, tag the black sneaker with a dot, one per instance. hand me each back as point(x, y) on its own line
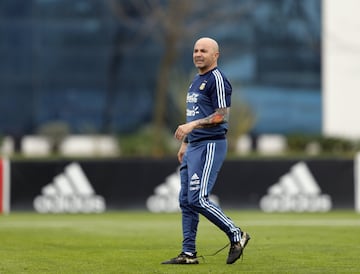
point(183, 259)
point(236, 249)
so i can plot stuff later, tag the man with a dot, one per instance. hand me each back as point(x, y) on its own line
point(202, 153)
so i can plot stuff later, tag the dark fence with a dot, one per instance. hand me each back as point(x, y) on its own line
point(98, 185)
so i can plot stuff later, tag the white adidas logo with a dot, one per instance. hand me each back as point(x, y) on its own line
point(166, 197)
point(296, 191)
point(70, 192)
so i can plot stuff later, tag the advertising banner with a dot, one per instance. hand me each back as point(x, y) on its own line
point(94, 186)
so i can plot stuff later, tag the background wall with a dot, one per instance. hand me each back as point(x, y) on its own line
point(341, 68)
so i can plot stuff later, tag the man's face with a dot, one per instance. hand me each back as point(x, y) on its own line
point(205, 55)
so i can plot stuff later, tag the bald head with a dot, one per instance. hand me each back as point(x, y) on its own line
point(205, 55)
point(209, 42)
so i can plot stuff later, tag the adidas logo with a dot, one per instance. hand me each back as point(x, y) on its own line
point(70, 192)
point(296, 191)
point(166, 195)
point(195, 180)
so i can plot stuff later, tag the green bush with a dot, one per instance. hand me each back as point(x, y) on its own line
point(327, 145)
point(142, 143)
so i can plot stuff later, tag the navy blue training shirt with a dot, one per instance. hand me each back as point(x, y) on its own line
point(207, 93)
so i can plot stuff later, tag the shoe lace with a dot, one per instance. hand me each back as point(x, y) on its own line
point(213, 254)
point(218, 251)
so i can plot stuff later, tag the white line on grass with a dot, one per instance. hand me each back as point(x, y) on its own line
point(305, 222)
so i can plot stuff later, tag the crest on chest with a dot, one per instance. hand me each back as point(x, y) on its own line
point(202, 86)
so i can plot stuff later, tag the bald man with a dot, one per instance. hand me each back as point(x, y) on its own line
point(202, 152)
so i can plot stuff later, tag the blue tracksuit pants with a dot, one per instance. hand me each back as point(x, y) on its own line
point(198, 172)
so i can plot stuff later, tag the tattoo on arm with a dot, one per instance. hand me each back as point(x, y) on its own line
point(218, 117)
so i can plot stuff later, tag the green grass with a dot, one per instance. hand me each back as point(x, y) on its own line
point(136, 242)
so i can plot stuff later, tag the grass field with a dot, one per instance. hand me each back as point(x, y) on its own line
point(137, 242)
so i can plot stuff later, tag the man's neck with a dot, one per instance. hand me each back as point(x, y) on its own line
point(204, 71)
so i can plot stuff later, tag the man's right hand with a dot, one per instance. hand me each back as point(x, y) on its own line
point(181, 151)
